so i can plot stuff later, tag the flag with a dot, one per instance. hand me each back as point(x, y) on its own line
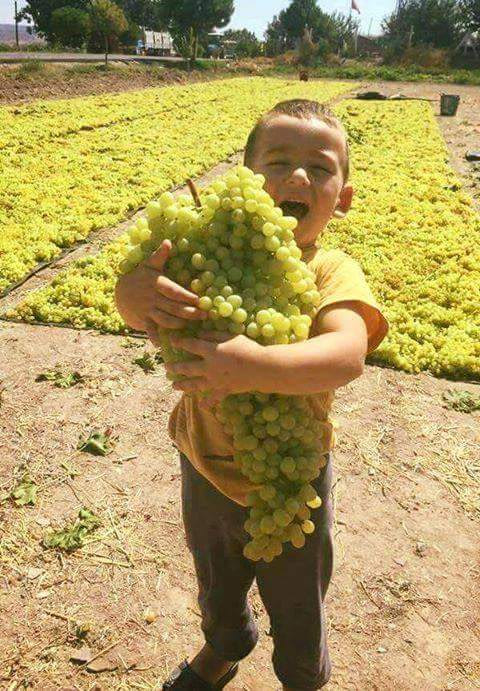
point(355, 6)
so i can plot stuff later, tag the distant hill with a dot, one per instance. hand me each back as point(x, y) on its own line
point(7, 34)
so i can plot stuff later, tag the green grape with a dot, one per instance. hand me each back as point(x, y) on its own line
point(238, 254)
point(225, 309)
point(297, 537)
point(240, 315)
point(235, 301)
point(205, 303)
point(282, 518)
point(267, 525)
point(303, 513)
point(308, 527)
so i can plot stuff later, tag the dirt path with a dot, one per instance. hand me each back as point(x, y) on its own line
point(403, 607)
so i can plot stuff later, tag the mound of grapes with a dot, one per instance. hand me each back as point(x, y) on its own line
point(236, 250)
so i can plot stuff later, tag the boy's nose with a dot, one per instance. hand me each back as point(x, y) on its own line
point(299, 177)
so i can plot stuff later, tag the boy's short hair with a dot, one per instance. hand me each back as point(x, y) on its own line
point(303, 109)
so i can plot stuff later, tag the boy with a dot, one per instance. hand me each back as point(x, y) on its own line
point(302, 151)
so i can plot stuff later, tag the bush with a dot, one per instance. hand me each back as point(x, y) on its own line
point(30, 68)
point(426, 56)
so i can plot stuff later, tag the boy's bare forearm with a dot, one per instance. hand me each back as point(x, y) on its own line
point(323, 363)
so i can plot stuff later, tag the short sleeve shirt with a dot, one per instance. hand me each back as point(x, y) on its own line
point(197, 433)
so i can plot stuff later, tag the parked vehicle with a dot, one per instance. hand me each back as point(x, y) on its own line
point(219, 47)
point(158, 43)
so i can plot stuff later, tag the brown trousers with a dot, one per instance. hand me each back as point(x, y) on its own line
point(292, 586)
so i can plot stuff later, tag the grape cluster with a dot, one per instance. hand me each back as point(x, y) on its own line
point(236, 250)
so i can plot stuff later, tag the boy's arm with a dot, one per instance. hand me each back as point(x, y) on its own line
point(325, 362)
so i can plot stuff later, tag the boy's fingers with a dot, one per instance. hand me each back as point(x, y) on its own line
point(152, 333)
point(179, 309)
point(191, 385)
point(190, 368)
point(215, 336)
point(159, 257)
point(192, 345)
point(166, 321)
point(212, 399)
point(174, 291)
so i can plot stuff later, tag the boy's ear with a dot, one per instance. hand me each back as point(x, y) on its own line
point(344, 202)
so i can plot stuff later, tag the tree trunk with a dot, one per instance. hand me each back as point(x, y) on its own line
point(106, 52)
point(195, 46)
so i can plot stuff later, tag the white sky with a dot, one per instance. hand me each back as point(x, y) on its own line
point(256, 14)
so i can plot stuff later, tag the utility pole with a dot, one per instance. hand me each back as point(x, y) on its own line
point(16, 24)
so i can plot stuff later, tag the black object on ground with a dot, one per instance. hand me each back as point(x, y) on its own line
point(371, 96)
point(473, 156)
point(449, 104)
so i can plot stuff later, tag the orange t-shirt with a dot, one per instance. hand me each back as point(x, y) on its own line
point(199, 435)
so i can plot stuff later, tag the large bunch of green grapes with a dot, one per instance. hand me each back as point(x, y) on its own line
point(237, 252)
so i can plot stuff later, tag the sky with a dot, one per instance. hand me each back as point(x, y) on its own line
point(256, 14)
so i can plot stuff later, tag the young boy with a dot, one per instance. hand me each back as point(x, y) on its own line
point(302, 151)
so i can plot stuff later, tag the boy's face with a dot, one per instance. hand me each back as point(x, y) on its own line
point(303, 163)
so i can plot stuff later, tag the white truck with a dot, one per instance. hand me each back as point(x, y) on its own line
point(157, 43)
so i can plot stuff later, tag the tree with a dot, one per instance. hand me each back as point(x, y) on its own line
point(286, 30)
point(70, 26)
point(144, 13)
point(39, 12)
point(470, 14)
point(188, 19)
point(275, 37)
point(108, 21)
point(423, 22)
point(248, 45)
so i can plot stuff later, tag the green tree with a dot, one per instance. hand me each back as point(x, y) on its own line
point(423, 22)
point(248, 45)
point(144, 13)
point(275, 37)
point(285, 31)
point(108, 21)
point(187, 20)
point(470, 14)
point(39, 13)
point(70, 26)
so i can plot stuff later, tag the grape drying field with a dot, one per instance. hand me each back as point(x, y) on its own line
point(412, 228)
point(98, 589)
point(71, 167)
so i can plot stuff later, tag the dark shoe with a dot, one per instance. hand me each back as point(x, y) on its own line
point(184, 678)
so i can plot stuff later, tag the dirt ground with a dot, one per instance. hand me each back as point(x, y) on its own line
point(67, 80)
point(403, 606)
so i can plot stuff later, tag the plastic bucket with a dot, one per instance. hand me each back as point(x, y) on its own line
point(449, 104)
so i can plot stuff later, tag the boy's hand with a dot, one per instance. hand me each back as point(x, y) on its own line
point(146, 298)
point(224, 364)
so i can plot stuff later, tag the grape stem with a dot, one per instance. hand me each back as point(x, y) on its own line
point(194, 191)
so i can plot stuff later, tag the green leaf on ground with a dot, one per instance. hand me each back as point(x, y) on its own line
point(62, 381)
point(73, 537)
point(147, 362)
point(129, 342)
point(25, 492)
point(97, 443)
point(463, 401)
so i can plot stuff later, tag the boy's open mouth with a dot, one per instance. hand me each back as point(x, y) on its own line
point(297, 209)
